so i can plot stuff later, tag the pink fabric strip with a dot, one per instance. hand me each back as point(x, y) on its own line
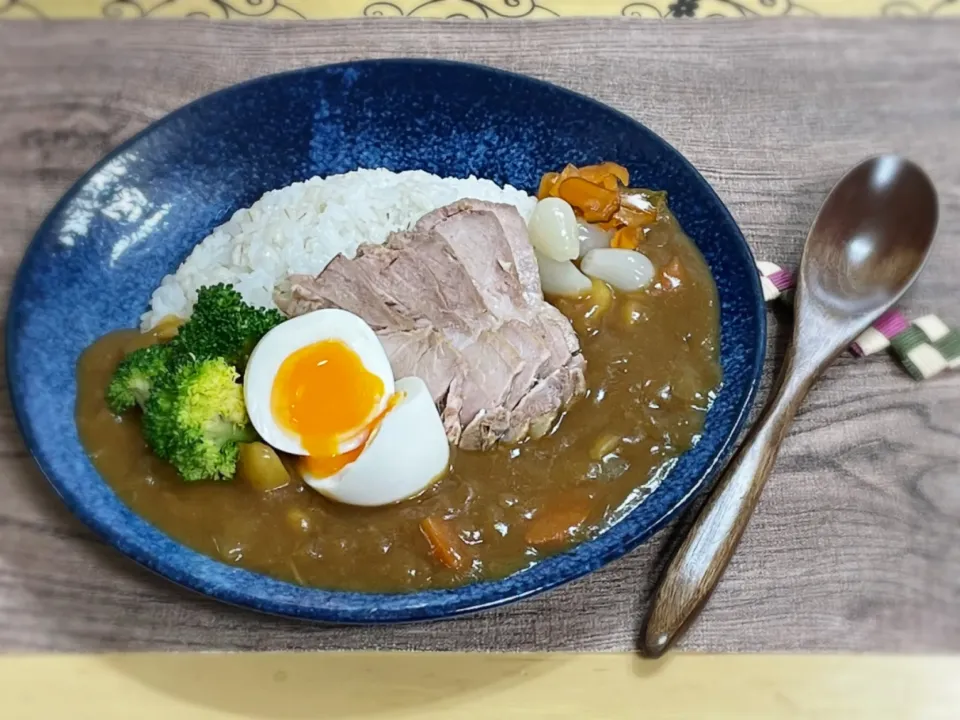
point(782, 279)
point(891, 323)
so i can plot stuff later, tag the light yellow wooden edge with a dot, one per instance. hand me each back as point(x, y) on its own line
point(191, 686)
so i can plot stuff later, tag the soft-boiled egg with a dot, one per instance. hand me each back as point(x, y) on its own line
point(405, 454)
point(314, 384)
point(320, 386)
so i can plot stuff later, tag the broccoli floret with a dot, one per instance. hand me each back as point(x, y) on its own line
point(195, 417)
point(193, 409)
point(223, 326)
point(135, 377)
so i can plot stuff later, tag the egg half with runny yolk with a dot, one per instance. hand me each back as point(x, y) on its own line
point(320, 386)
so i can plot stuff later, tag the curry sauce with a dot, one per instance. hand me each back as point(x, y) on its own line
point(652, 370)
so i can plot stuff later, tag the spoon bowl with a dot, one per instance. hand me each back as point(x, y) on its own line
point(870, 238)
point(866, 247)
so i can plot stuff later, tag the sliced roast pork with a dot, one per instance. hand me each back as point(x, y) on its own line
point(456, 300)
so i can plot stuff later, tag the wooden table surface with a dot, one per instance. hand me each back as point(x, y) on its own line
point(856, 544)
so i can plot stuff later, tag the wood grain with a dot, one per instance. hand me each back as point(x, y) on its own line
point(856, 542)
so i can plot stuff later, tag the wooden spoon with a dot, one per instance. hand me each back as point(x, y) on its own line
point(866, 247)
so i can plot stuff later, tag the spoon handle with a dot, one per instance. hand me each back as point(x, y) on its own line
point(697, 566)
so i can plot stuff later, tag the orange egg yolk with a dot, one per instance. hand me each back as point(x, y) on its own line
point(324, 394)
point(321, 467)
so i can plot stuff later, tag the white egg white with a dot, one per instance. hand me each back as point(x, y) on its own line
point(284, 340)
point(407, 453)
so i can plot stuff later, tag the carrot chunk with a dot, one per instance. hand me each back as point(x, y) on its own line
point(547, 184)
point(568, 171)
point(618, 171)
point(611, 225)
point(605, 173)
point(447, 547)
point(556, 525)
point(629, 215)
point(627, 237)
point(595, 202)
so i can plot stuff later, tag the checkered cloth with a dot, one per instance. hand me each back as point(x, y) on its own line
point(925, 347)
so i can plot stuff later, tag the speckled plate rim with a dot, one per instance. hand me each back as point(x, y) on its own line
point(154, 550)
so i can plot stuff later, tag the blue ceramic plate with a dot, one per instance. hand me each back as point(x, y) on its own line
point(134, 217)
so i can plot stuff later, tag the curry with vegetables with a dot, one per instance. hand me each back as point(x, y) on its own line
point(650, 371)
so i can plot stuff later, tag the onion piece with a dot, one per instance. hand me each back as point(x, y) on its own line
point(592, 237)
point(553, 229)
point(625, 270)
point(562, 278)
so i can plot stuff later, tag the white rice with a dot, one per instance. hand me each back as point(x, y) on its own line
point(302, 227)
